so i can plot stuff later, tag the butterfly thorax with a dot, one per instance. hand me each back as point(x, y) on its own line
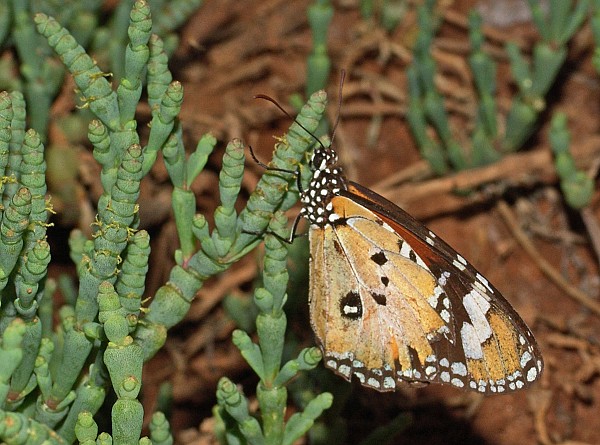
point(326, 183)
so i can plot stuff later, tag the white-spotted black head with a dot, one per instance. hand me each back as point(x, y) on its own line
point(323, 157)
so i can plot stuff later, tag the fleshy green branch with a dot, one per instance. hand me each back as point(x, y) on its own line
point(136, 58)
point(6, 117)
point(17, 127)
point(100, 97)
point(535, 79)
point(577, 186)
point(105, 324)
point(11, 354)
point(265, 359)
point(15, 220)
point(18, 428)
point(159, 75)
point(174, 14)
point(532, 78)
point(160, 432)
point(42, 76)
point(318, 64)
point(124, 360)
point(484, 74)
point(130, 284)
point(53, 385)
point(172, 301)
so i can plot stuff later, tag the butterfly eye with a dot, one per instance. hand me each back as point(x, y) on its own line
point(317, 160)
point(322, 158)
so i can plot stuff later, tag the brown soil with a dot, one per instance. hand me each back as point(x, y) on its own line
point(232, 50)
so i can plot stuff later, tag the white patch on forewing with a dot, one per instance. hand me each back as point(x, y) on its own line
point(471, 342)
point(459, 368)
point(458, 265)
point(406, 252)
point(484, 281)
point(477, 306)
point(443, 278)
point(480, 287)
point(525, 358)
point(532, 374)
point(445, 315)
point(433, 300)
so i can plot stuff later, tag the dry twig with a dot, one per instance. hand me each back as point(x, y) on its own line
point(547, 269)
point(593, 229)
point(438, 196)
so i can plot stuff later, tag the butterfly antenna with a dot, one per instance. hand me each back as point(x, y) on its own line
point(274, 102)
point(258, 161)
point(268, 167)
point(339, 108)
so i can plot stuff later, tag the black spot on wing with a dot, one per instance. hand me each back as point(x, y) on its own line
point(351, 306)
point(337, 246)
point(385, 281)
point(380, 299)
point(379, 258)
point(413, 256)
point(341, 221)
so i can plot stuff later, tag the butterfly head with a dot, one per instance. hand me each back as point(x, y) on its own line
point(323, 157)
point(326, 183)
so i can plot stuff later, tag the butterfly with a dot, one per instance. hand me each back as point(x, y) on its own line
point(391, 303)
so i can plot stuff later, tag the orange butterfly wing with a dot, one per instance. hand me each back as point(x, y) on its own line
point(391, 302)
